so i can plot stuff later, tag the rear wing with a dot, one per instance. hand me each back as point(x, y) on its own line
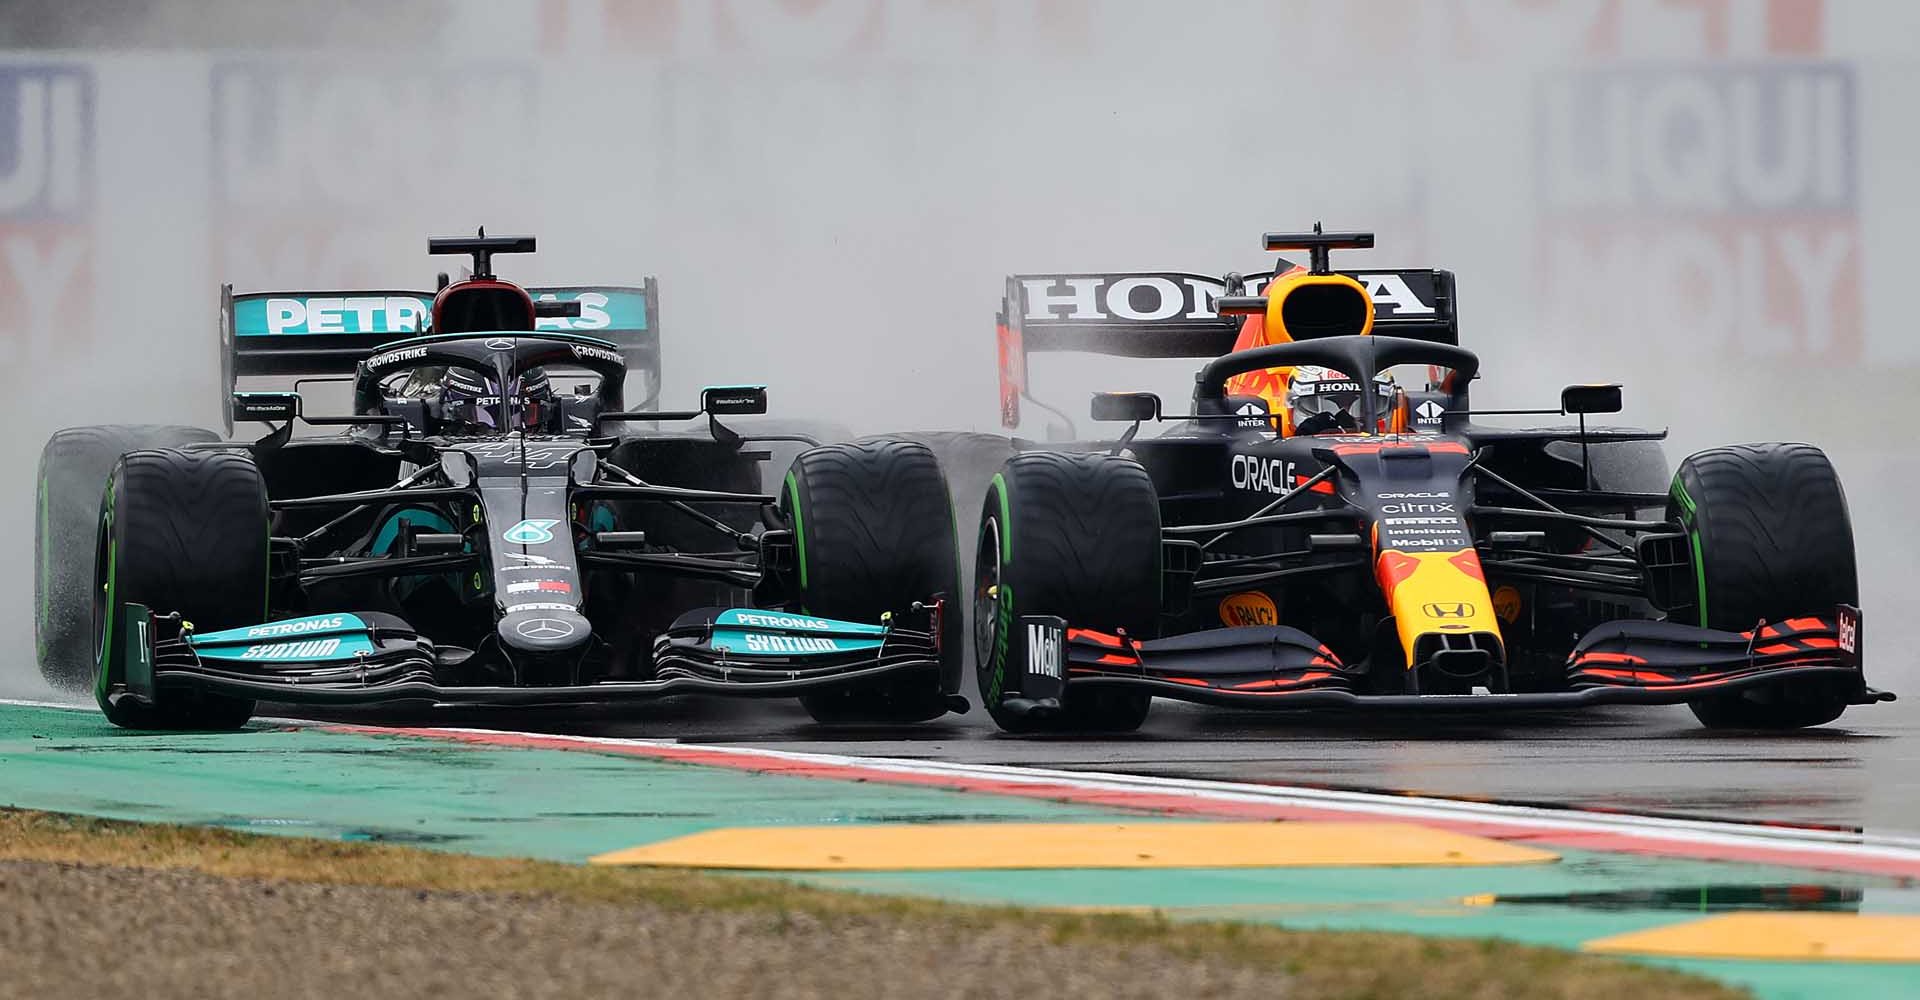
point(329, 333)
point(1172, 314)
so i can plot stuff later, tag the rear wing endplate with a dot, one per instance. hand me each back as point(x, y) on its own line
point(1171, 314)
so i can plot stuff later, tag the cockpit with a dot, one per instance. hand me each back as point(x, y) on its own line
point(495, 382)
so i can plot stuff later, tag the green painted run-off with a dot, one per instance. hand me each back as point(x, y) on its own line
point(568, 806)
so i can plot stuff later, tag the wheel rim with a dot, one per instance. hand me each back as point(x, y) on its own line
point(986, 595)
point(102, 561)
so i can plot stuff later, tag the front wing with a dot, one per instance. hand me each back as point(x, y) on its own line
point(1275, 667)
point(377, 659)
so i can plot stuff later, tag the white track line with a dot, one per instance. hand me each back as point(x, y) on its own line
point(1840, 843)
point(1706, 832)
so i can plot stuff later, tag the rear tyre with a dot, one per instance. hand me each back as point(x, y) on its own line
point(180, 532)
point(1771, 539)
point(73, 474)
point(1077, 536)
point(875, 533)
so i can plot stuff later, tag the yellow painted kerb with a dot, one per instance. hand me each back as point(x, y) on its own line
point(935, 846)
point(1794, 937)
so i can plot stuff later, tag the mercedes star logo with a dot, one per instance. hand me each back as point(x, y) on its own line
point(500, 344)
point(544, 628)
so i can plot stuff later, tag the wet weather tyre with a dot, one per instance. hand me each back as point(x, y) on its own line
point(74, 467)
point(1771, 539)
point(970, 460)
point(1076, 536)
point(181, 532)
point(875, 532)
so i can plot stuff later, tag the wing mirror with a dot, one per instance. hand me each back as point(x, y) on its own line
point(584, 467)
point(723, 400)
point(1585, 399)
point(1133, 407)
point(460, 467)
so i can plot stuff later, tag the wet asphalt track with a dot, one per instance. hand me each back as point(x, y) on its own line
point(1861, 772)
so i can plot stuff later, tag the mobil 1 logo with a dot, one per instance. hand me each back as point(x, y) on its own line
point(1421, 521)
point(1046, 658)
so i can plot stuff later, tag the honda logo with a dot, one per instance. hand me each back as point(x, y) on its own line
point(1452, 610)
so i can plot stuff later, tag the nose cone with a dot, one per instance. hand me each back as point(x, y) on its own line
point(542, 631)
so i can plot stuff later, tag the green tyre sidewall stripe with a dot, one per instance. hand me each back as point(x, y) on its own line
point(999, 488)
point(1687, 521)
point(103, 657)
point(799, 530)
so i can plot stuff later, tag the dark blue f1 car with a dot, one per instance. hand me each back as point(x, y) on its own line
point(495, 527)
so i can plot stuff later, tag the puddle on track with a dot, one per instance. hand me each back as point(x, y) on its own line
point(1696, 899)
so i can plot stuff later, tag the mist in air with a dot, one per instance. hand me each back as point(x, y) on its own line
point(1701, 200)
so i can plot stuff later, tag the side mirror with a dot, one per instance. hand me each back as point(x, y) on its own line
point(1585, 399)
point(265, 406)
point(722, 400)
point(460, 467)
point(1133, 407)
point(584, 467)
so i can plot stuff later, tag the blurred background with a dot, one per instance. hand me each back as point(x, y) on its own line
point(1711, 201)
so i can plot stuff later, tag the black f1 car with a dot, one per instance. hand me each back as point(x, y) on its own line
point(479, 536)
point(1408, 556)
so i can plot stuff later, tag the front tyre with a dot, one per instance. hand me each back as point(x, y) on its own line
point(1078, 537)
point(1771, 539)
point(74, 467)
point(180, 532)
point(874, 531)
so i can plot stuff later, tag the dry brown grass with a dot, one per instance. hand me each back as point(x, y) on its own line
point(1302, 964)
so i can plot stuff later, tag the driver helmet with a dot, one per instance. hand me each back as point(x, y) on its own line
point(470, 400)
point(1321, 400)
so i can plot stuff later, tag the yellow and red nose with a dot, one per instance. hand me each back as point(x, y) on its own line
point(1436, 594)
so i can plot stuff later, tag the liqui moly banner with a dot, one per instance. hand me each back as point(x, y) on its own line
point(1714, 198)
point(914, 31)
point(46, 206)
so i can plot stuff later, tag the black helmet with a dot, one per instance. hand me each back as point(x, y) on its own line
point(471, 401)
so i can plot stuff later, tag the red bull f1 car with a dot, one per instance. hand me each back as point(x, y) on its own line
point(1406, 555)
point(495, 526)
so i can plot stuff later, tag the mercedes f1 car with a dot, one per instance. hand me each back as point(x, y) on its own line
point(480, 536)
point(1408, 556)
